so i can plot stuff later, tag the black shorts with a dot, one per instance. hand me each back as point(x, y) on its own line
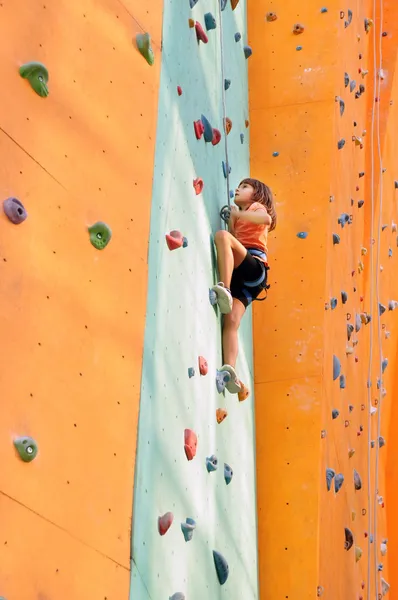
point(249, 279)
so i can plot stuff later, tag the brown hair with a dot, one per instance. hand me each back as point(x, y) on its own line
point(263, 195)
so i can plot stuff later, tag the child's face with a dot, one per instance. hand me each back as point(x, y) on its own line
point(244, 195)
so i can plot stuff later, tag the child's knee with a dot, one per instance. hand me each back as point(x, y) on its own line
point(220, 236)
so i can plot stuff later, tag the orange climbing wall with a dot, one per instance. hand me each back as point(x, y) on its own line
point(71, 317)
point(293, 111)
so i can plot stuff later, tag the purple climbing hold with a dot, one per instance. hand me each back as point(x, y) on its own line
point(330, 473)
point(222, 568)
point(14, 210)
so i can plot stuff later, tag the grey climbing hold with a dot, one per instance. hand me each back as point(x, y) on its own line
point(26, 447)
point(212, 297)
point(330, 473)
point(228, 474)
point(238, 36)
point(177, 596)
point(382, 309)
point(191, 372)
point(344, 297)
point(298, 48)
point(224, 169)
point(211, 463)
point(342, 107)
point(222, 378)
point(188, 528)
point(385, 587)
point(248, 51)
point(336, 367)
point(222, 568)
point(336, 239)
point(14, 210)
point(348, 22)
point(227, 84)
point(350, 330)
point(242, 138)
point(333, 303)
point(349, 539)
point(335, 413)
point(342, 382)
point(382, 441)
point(390, 252)
point(207, 129)
point(358, 323)
point(341, 144)
point(343, 219)
point(396, 185)
point(384, 365)
point(352, 85)
point(357, 481)
point(223, 4)
point(210, 21)
point(346, 80)
point(338, 482)
point(302, 235)
point(192, 3)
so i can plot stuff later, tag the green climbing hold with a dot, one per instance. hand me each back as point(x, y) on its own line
point(143, 41)
point(27, 448)
point(100, 235)
point(37, 75)
point(210, 21)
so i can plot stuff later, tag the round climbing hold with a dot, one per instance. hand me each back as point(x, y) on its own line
point(271, 16)
point(200, 34)
point(221, 566)
point(37, 75)
point(341, 144)
point(336, 367)
point(238, 37)
point(203, 366)
point(164, 523)
point(247, 51)
point(26, 447)
point(190, 443)
point(210, 21)
point(143, 41)
point(14, 210)
point(198, 185)
point(298, 28)
point(211, 463)
point(188, 528)
point(302, 235)
point(100, 235)
point(228, 474)
point(221, 415)
point(299, 48)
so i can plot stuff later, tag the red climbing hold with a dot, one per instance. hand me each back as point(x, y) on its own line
point(203, 366)
point(190, 443)
point(164, 522)
point(199, 129)
point(200, 34)
point(179, 90)
point(216, 137)
point(198, 185)
point(174, 239)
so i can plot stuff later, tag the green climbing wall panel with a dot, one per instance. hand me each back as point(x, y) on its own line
point(181, 325)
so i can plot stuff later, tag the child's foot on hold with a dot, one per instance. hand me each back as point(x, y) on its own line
point(233, 385)
point(224, 297)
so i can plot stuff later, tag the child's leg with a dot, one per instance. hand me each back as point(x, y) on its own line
point(230, 254)
point(230, 332)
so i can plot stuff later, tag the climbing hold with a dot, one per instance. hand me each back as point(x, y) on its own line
point(336, 367)
point(222, 378)
point(342, 382)
point(14, 210)
point(248, 51)
point(179, 90)
point(224, 168)
point(190, 443)
point(234, 4)
point(192, 3)
point(222, 568)
point(198, 185)
point(275, 154)
point(203, 366)
point(143, 41)
point(336, 239)
point(216, 137)
point(191, 372)
point(384, 365)
point(358, 323)
point(246, 123)
point(188, 528)
point(352, 85)
point(361, 203)
point(357, 480)
point(348, 22)
point(26, 447)
point(164, 523)
point(227, 125)
point(271, 16)
point(324, 10)
point(228, 474)
point(37, 75)
point(298, 28)
point(382, 441)
point(200, 34)
point(227, 84)
point(385, 587)
point(383, 547)
point(368, 24)
point(344, 297)
point(319, 591)
point(392, 305)
point(346, 80)
point(341, 144)
point(342, 107)
point(242, 138)
point(358, 553)
point(333, 303)
point(199, 129)
point(350, 330)
point(302, 235)
point(349, 539)
point(221, 415)
point(211, 463)
point(207, 129)
point(177, 596)
point(238, 37)
point(351, 453)
point(330, 473)
point(210, 21)
point(100, 235)
point(338, 482)
point(390, 252)
point(223, 4)
point(382, 309)
point(191, 23)
point(174, 239)
point(335, 413)
point(343, 219)
point(299, 48)
point(244, 392)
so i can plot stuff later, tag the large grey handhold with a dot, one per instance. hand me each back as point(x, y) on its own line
point(382, 441)
point(385, 587)
point(349, 539)
point(14, 210)
point(221, 565)
point(338, 482)
point(330, 473)
point(357, 480)
point(336, 367)
point(177, 596)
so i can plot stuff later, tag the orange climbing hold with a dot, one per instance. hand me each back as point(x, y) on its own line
point(191, 23)
point(221, 415)
point(247, 123)
point(244, 392)
point(271, 16)
point(298, 28)
point(227, 125)
point(198, 185)
point(190, 443)
point(234, 4)
point(164, 523)
point(203, 366)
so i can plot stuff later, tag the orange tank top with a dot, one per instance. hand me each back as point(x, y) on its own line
point(252, 235)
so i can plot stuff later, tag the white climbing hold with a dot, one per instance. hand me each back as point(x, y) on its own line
point(383, 547)
point(385, 587)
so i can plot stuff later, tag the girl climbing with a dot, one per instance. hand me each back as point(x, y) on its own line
point(242, 264)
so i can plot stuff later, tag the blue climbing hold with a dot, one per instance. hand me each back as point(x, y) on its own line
point(336, 239)
point(336, 367)
point(275, 154)
point(338, 482)
point(384, 365)
point(324, 10)
point(211, 463)
point(227, 84)
point(299, 48)
point(341, 144)
point(333, 303)
point(224, 169)
point(342, 382)
point(192, 3)
point(242, 138)
point(238, 37)
point(208, 129)
point(212, 297)
point(222, 568)
point(302, 235)
point(188, 528)
point(222, 378)
point(231, 194)
point(210, 21)
point(184, 242)
point(248, 51)
point(329, 478)
point(223, 4)
point(228, 474)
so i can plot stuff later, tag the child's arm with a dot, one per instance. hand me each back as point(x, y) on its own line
point(260, 217)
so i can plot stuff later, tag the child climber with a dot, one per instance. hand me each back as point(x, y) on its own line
point(242, 264)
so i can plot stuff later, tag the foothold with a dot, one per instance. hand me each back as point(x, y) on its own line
point(164, 523)
point(248, 51)
point(338, 482)
point(342, 107)
point(188, 528)
point(228, 474)
point(358, 323)
point(349, 539)
point(333, 303)
point(191, 23)
point(352, 85)
point(221, 415)
point(100, 235)
point(346, 80)
point(238, 37)
point(211, 463)
point(190, 443)
point(203, 366)
point(222, 378)
point(199, 129)
point(368, 24)
point(14, 210)
point(335, 413)
point(200, 34)
point(361, 203)
point(382, 309)
point(227, 125)
point(275, 154)
point(336, 239)
point(191, 372)
point(330, 473)
point(357, 481)
point(384, 365)
point(382, 441)
point(350, 330)
point(242, 138)
point(243, 393)
point(223, 4)
point(177, 596)
point(179, 90)
point(216, 137)
point(207, 129)
point(234, 4)
point(358, 553)
point(192, 3)
point(392, 305)
point(222, 568)
point(26, 447)
point(198, 185)
point(336, 367)
point(271, 16)
point(349, 19)
point(227, 84)
point(37, 75)
point(302, 235)
point(174, 239)
point(344, 297)
point(224, 169)
point(343, 219)
point(342, 382)
point(298, 28)
point(341, 144)
point(143, 41)
point(351, 453)
point(210, 22)
point(319, 591)
point(324, 10)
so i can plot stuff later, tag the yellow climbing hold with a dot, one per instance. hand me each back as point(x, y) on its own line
point(358, 553)
point(364, 251)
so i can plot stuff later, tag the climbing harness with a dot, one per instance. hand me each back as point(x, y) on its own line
point(262, 280)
